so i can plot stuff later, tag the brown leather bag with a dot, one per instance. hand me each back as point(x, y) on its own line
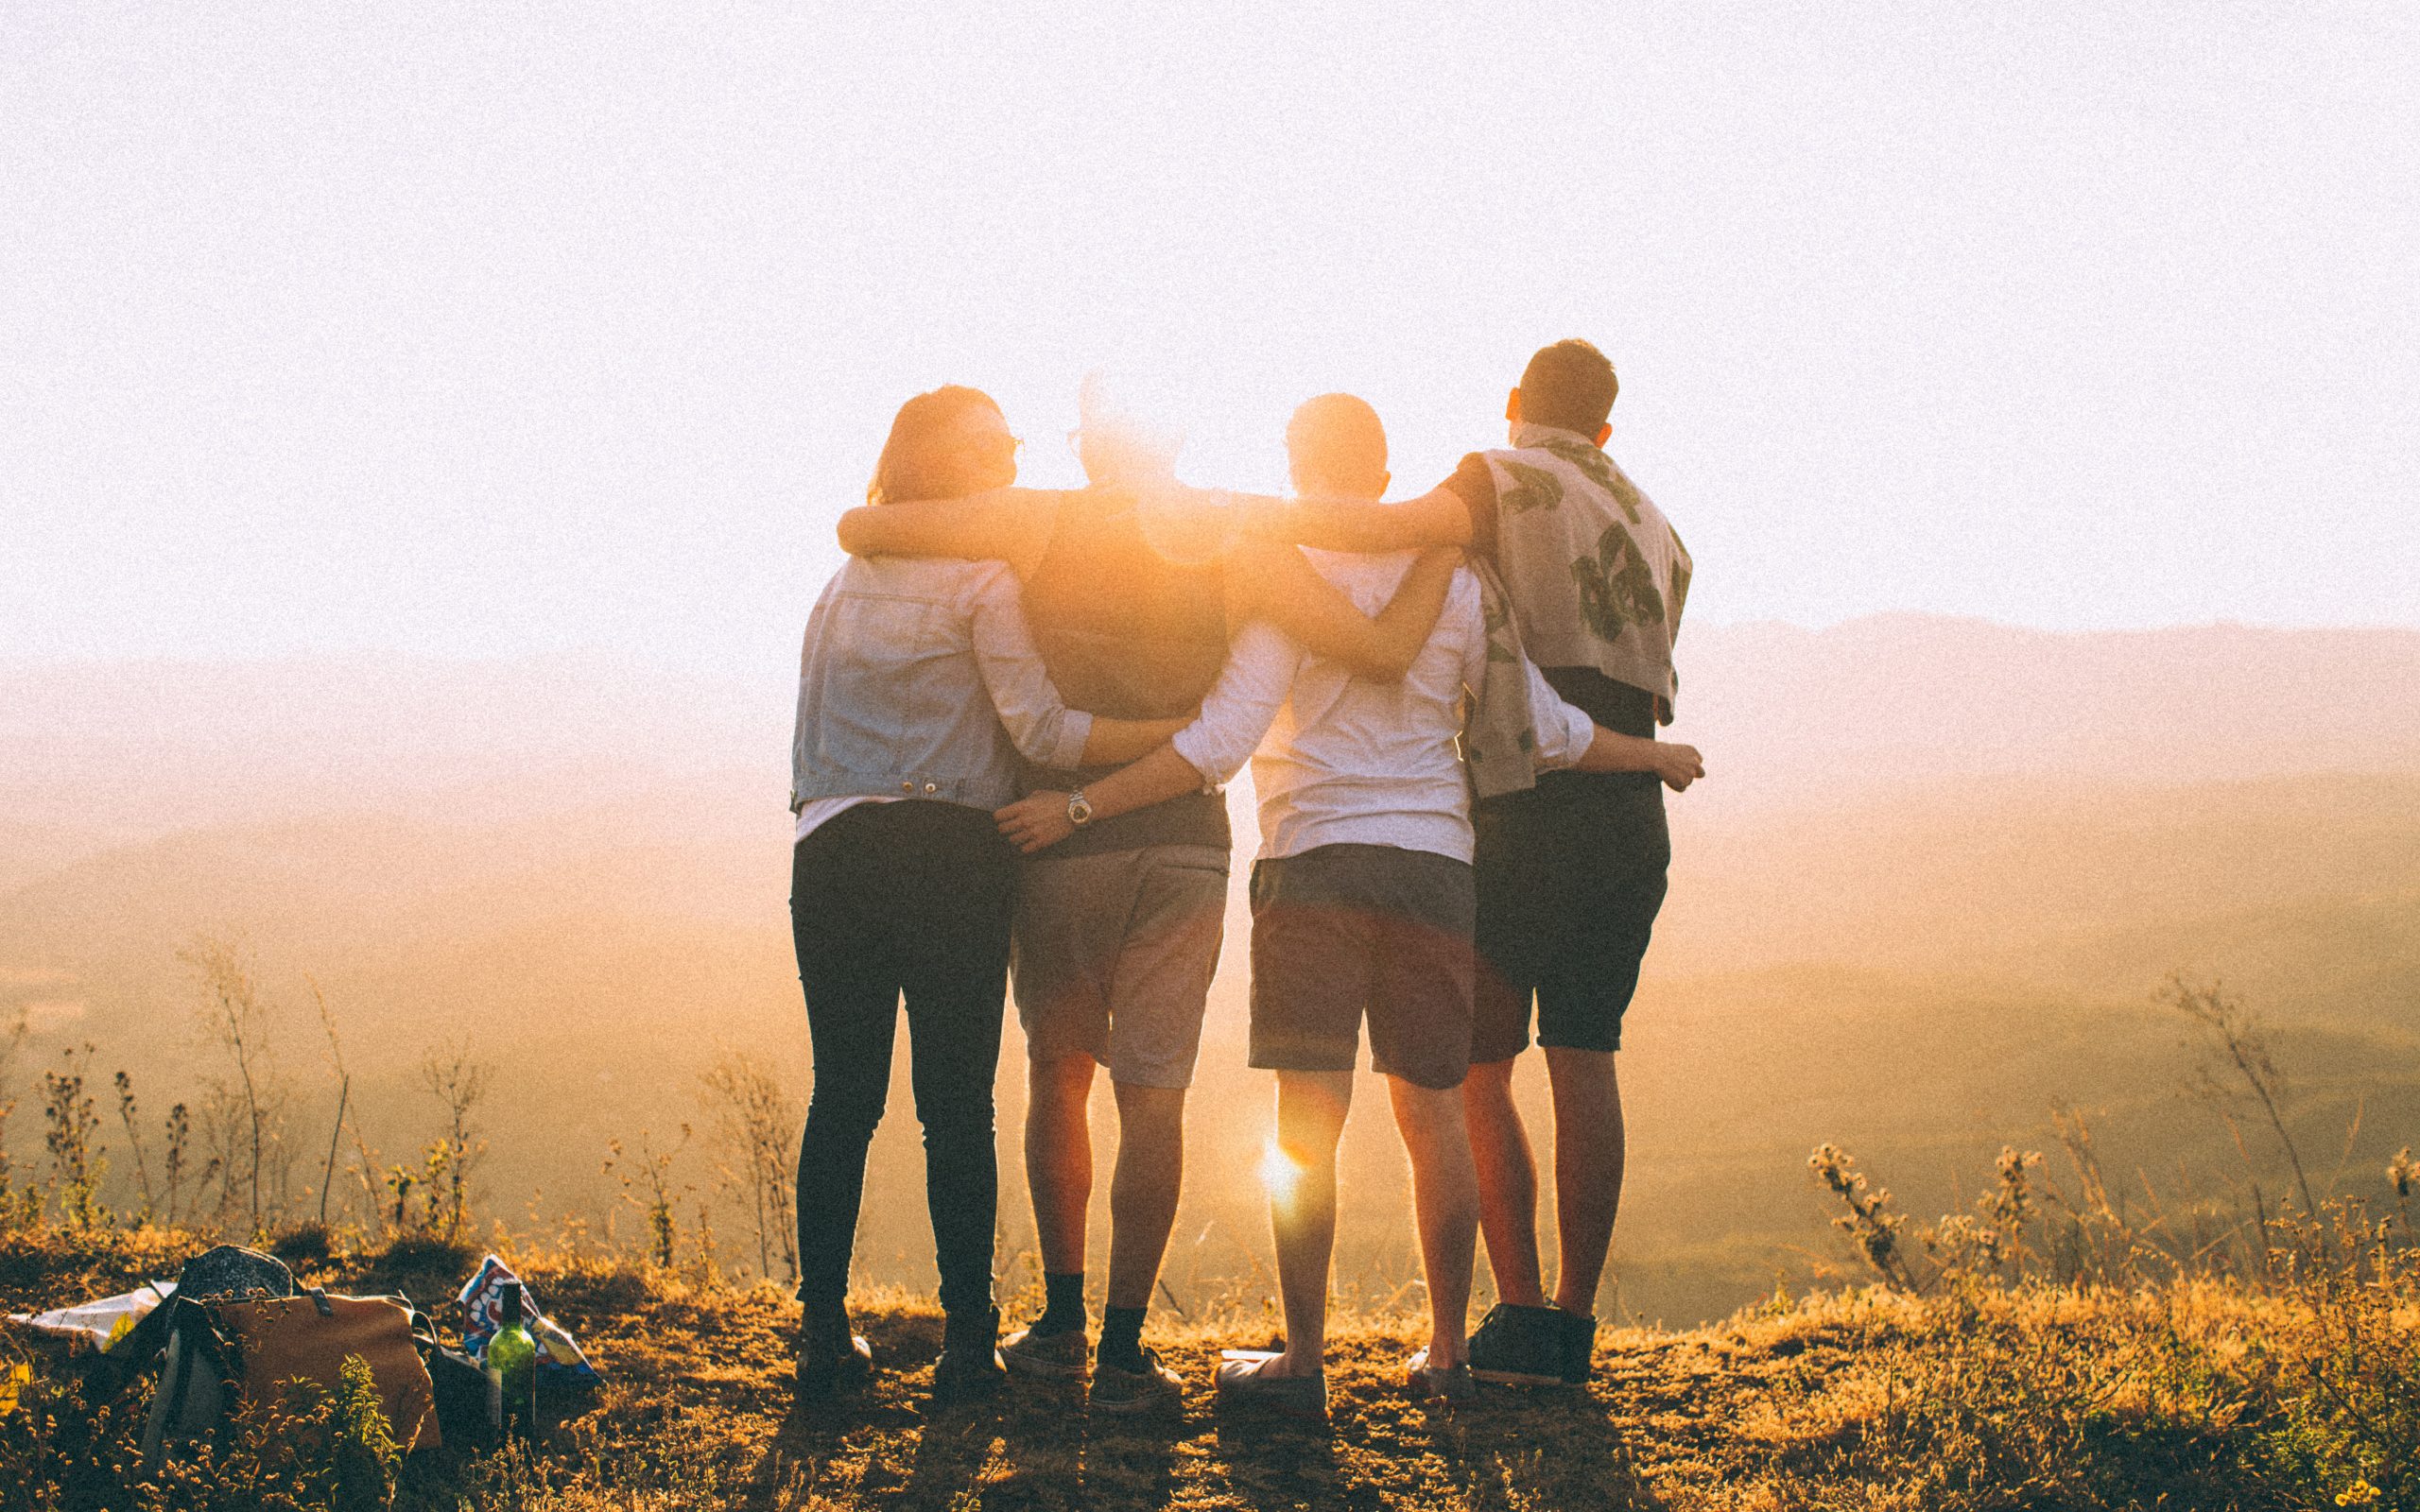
point(275, 1340)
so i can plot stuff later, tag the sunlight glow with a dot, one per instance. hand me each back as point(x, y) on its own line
point(1279, 1173)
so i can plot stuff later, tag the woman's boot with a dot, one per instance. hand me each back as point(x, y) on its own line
point(829, 1355)
point(970, 1364)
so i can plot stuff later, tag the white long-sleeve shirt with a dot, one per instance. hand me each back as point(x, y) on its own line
point(1344, 760)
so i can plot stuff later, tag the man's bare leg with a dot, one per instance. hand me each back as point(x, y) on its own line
point(1588, 1158)
point(1143, 1188)
point(1507, 1183)
point(1310, 1119)
point(1445, 1188)
point(1059, 1156)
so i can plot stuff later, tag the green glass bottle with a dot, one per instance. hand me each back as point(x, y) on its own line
point(512, 1360)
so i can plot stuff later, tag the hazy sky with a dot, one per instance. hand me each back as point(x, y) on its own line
point(489, 329)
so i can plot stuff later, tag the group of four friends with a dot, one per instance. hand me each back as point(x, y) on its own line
point(1016, 709)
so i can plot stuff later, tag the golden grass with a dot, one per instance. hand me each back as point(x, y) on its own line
point(2202, 1393)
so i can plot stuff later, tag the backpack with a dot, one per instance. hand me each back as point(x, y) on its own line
point(226, 1272)
point(232, 1334)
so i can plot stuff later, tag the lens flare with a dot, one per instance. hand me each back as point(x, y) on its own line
point(1279, 1173)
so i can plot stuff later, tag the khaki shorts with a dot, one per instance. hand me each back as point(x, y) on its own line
point(1114, 954)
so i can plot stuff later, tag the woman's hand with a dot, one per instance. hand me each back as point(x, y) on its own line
point(1036, 821)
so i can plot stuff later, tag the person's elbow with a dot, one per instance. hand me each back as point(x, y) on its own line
point(1043, 750)
point(1586, 746)
point(1212, 761)
point(858, 531)
point(1055, 741)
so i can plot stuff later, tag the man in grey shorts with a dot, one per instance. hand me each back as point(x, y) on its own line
point(1121, 988)
point(1362, 907)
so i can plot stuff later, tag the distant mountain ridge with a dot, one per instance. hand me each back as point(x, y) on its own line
point(1887, 701)
point(168, 743)
point(1785, 716)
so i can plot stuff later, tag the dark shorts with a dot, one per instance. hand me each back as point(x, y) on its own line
point(1344, 931)
point(1570, 879)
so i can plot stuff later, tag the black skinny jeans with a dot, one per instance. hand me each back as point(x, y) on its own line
point(910, 898)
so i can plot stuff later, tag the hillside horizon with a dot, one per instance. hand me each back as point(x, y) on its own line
point(1874, 703)
point(579, 872)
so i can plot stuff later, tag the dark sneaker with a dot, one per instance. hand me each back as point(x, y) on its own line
point(1061, 1356)
point(1579, 1346)
point(829, 1356)
point(970, 1366)
point(1243, 1382)
point(1521, 1346)
point(1153, 1389)
point(1449, 1384)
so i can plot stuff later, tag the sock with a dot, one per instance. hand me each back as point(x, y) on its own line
point(1121, 1338)
point(1063, 1307)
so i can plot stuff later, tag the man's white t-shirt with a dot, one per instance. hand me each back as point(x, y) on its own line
point(1343, 759)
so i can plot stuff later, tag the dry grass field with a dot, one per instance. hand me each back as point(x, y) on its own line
point(2198, 1393)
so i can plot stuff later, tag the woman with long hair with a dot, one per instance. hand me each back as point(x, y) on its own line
point(918, 687)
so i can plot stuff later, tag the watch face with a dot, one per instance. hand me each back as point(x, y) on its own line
point(1079, 809)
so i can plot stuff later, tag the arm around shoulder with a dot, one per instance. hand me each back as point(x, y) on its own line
point(1276, 584)
point(1437, 518)
point(1004, 524)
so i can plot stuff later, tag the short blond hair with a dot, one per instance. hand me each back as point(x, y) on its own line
point(1339, 438)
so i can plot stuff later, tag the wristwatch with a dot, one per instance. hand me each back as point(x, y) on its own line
point(1079, 809)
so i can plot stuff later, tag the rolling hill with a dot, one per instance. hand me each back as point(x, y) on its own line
point(1928, 889)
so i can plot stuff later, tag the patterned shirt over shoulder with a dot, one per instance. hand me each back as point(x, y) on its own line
point(1597, 576)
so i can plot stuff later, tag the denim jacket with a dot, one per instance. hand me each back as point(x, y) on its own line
point(920, 680)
